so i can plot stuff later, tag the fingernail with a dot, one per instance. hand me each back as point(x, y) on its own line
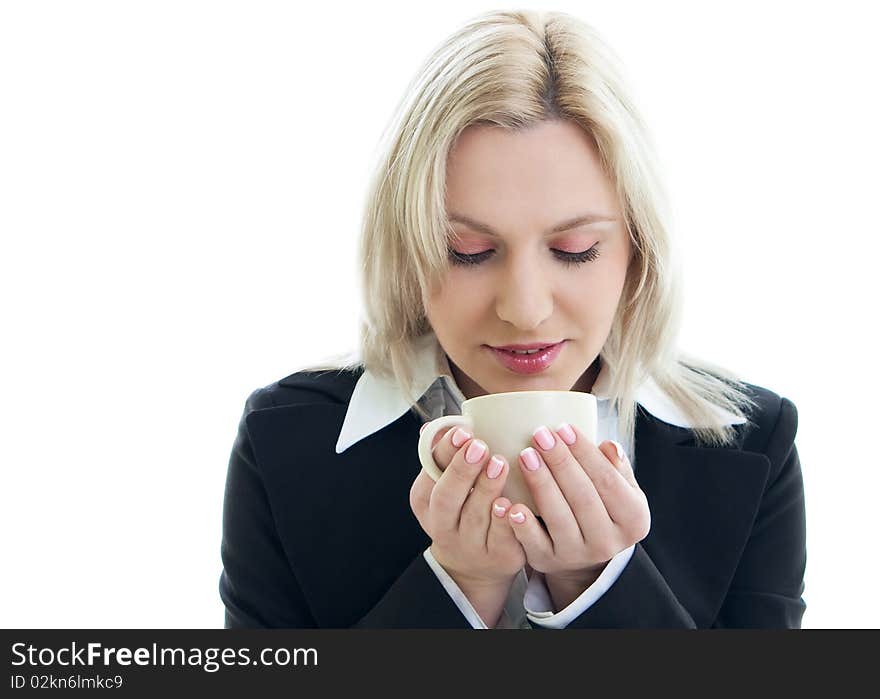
point(530, 459)
point(475, 452)
point(544, 438)
point(619, 449)
point(499, 510)
point(518, 517)
point(459, 437)
point(568, 435)
point(496, 465)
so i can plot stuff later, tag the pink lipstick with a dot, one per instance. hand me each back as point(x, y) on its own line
point(532, 363)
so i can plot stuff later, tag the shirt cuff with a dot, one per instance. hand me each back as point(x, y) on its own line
point(539, 606)
point(461, 601)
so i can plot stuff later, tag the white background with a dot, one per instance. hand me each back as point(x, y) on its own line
point(180, 194)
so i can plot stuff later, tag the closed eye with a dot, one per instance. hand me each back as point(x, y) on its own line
point(567, 258)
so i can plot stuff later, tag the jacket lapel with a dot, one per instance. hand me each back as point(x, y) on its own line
point(703, 502)
point(346, 526)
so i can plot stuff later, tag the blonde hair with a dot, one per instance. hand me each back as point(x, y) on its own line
point(514, 69)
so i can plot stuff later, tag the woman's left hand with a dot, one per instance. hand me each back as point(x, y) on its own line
point(589, 501)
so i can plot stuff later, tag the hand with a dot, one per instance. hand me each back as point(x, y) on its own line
point(464, 514)
point(590, 502)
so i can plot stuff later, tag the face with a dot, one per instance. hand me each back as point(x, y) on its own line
point(516, 277)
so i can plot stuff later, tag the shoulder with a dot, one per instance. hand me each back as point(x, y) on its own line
point(333, 386)
point(771, 427)
point(767, 411)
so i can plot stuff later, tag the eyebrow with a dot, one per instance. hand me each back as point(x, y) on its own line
point(584, 219)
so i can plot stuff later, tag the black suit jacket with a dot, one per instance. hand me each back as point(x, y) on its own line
point(316, 539)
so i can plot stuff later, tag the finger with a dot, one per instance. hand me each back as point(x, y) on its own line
point(634, 516)
point(531, 535)
point(420, 498)
point(614, 490)
point(576, 488)
point(477, 509)
point(622, 462)
point(437, 436)
point(500, 533)
point(556, 511)
point(500, 506)
point(455, 483)
point(447, 443)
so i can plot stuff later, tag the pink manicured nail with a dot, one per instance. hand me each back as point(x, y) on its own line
point(518, 517)
point(530, 458)
point(568, 435)
point(499, 510)
point(496, 465)
point(459, 437)
point(544, 438)
point(475, 452)
point(619, 450)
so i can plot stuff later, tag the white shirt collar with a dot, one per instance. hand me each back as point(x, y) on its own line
point(377, 402)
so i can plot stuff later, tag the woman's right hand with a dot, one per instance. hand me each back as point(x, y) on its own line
point(466, 516)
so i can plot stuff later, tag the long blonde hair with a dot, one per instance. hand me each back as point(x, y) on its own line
point(514, 69)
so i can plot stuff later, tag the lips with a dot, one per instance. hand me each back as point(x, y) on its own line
point(527, 363)
point(529, 346)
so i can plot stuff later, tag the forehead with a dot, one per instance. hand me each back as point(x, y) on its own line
point(552, 165)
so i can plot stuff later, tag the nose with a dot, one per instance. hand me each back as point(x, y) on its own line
point(524, 294)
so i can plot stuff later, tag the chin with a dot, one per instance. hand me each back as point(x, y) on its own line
point(534, 383)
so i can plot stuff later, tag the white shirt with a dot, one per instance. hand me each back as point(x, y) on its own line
point(377, 402)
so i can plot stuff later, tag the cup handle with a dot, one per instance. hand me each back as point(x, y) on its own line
point(426, 440)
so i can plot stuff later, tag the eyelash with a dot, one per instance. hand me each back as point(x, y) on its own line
point(571, 259)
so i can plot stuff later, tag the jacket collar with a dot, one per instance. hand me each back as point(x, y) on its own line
point(376, 402)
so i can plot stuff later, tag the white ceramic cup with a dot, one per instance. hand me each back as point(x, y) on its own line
point(506, 423)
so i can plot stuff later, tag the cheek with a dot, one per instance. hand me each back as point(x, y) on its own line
point(455, 302)
point(594, 296)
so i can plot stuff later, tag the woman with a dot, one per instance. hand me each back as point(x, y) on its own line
point(517, 203)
